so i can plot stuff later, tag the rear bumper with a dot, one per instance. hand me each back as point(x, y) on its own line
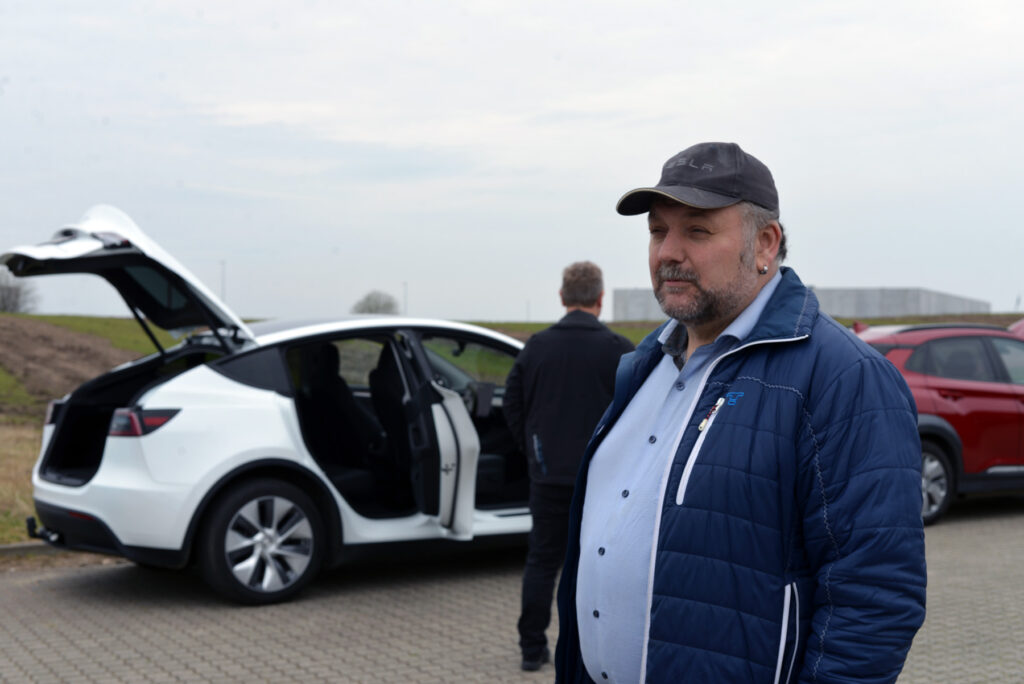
point(72, 530)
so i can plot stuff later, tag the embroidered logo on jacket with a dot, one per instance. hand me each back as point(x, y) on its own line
point(733, 397)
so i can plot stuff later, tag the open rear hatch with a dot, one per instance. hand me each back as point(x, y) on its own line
point(155, 286)
point(158, 290)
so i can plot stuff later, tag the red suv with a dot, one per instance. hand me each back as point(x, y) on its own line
point(968, 382)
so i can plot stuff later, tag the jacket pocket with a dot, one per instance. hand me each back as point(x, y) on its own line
point(790, 614)
point(704, 428)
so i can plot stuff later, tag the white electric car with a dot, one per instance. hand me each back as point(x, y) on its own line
point(259, 452)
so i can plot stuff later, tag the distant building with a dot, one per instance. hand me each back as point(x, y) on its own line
point(889, 302)
point(635, 304)
point(639, 304)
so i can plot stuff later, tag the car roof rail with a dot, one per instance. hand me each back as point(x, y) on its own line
point(940, 326)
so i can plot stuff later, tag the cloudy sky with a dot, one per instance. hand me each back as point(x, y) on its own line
point(458, 154)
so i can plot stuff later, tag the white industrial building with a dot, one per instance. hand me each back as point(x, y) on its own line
point(889, 302)
point(639, 304)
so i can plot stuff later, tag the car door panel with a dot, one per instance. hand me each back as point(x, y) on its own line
point(460, 450)
point(1008, 355)
point(966, 391)
point(419, 423)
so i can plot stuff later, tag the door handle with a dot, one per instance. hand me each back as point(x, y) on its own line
point(950, 394)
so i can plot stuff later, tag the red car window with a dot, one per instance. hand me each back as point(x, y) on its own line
point(958, 358)
point(1012, 354)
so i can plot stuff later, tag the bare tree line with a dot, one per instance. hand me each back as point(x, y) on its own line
point(16, 296)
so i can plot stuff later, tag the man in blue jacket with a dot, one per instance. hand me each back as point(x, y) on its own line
point(748, 509)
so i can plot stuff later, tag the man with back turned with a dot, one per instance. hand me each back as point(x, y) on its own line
point(557, 390)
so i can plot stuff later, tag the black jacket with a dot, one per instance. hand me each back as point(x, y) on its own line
point(561, 383)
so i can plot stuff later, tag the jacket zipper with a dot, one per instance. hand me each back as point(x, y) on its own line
point(790, 599)
point(704, 428)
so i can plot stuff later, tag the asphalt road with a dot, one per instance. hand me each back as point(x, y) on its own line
point(448, 617)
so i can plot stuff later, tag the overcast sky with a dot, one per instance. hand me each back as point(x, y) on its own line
point(459, 154)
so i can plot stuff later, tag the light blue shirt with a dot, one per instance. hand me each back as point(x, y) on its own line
point(626, 482)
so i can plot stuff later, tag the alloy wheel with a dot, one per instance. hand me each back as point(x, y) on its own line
point(934, 485)
point(268, 544)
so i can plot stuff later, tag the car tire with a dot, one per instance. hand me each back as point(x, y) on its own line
point(262, 542)
point(937, 482)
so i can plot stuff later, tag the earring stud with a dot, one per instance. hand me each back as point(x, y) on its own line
point(763, 270)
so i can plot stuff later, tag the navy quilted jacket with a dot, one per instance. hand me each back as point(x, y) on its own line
point(789, 546)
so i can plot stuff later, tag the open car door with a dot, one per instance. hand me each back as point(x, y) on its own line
point(444, 444)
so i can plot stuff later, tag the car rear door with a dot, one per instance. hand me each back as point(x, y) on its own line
point(1009, 355)
point(474, 368)
point(969, 392)
point(452, 476)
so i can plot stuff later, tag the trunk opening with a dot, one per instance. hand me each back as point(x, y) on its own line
point(74, 453)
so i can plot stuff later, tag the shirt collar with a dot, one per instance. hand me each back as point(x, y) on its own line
point(673, 337)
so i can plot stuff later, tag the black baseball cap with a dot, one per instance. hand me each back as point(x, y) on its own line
point(707, 176)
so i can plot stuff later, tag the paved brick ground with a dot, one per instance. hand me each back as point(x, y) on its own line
point(434, 618)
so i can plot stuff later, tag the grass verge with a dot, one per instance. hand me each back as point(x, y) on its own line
point(123, 333)
point(634, 331)
point(14, 400)
point(20, 446)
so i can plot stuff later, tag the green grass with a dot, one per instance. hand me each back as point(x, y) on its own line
point(12, 527)
point(480, 363)
point(518, 330)
point(13, 397)
point(19, 445)
point(634, 331)
point(123, 333)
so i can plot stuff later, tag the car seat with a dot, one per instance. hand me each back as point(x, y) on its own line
point(387, 391)
point(340, 432)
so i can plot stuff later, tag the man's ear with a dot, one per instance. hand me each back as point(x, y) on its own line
point(769, 237)
point(561, 298)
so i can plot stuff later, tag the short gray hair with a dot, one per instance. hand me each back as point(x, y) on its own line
point(756, 217)
point(582, 284)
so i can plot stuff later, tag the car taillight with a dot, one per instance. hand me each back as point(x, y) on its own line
point(134, 422)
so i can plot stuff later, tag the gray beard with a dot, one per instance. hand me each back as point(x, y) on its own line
point(706, 305)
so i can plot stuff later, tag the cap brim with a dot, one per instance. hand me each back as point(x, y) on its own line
point(639, 201)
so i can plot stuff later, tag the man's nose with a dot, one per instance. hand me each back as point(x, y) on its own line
point(672, 249)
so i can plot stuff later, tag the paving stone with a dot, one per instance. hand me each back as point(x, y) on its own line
point(443, 618)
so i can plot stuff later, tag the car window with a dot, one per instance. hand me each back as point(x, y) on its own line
point(356, 358)
point(1012, 354)
point(457, 362)
point(960, 358)
point(157, 286)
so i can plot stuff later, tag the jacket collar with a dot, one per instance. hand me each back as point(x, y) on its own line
point(579, 319)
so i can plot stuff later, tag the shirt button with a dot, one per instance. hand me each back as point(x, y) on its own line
point(652, 439)
point(600, 551)
point(604, 675)
point(597, 614)
point(680, 385)
point(625, 493)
